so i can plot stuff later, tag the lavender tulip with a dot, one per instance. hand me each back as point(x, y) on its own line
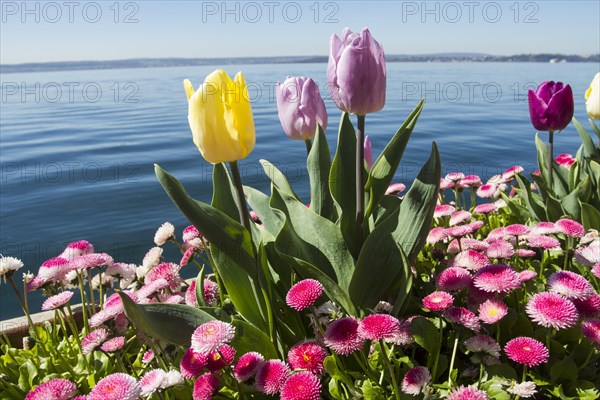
point(368, 152)
point(356, 72)
point(551, 106)
point(300, 107)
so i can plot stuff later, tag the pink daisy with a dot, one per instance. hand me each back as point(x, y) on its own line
point(443, 210)
point(190, 233)
point(301, 386)
point(211, 335)
point(516, 230)
point(588, 255)
point(438, 301)
point(588, 308)
point(453, 279)
point(436, 234)
point(544, 228)
point(308, 355)
point(591, 330)
point(247, 366)
point(454, 176)
point(492, 311)
point(54, 269)
point(467, 393)
point(487, 191)
point(151, 288)
point(544, 242)
point(114, 344)
point(470, 181)
point(124, 272)
point(404, 336)
point(378, 327)
point(511, 172)
point(205, 387)
point(467, 244)
point(271, 376)
point(464, 230)
point(192, 363)
point(93, 339)
point(166, 271)
point(342, 336)
point(496, 234)
point(304, 294)
point(483, 344)
point(527, 275)
point(485, 208)
point(552, 310)
point(415, 380)
point(187, 255)
point(55, 389)
point(469, 259)
point(190, 295)
point(93, 260)
point(570, 228)
point(76, 249)
point(152, 381)
point(148, 357)
point(395, 188)
point(165, 232)
point(211, 292)
point(525, 253)
point(56, 301)
point(500, 249)
point(444, 184)
point(116, 387)
point(459, 217)
point(526, 351)
point(570, 285)
point(462, 316)
point(497, 278)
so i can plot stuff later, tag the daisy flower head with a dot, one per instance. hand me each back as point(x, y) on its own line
point(552, 310)
point(497, 278)
point(492, 311)
point(467, 393)
point(443, 210)
point(304, 294)
point(248, 365)
point(470, 181)
point(523, 389)
point(308, 355)
point(395, 189)
point(211, 335)
point(485, 208)
point(220, 358)
point(205, 387)
point(590, 307)
point(342, 336)
point(192, 363)
point(415, 380)
point(438, 301)
point(459, 217)
point(56, 301)
point(165, 232)
point(93, 339)
point(591, 330)
point(8, 266)
point(483, 344)
point(211, 292)
point(487, 191)
point(190, 233)
point(526, 351)
point(54, 389)
point(152, 381)
point(544, 228)
point(570, 228)
point(516, 230)
point(570, 285)
point(167, 271)
point(445, 184)
point(187, 255)
point(500, 249)
point(76, 249)
point(114, 344)
point(454, 176)
point(511, 172)
point(462, 316)
point(116, 387)
point(190, 295)
point(436, 234)
point(383, 307)
point(470, 259)
point(151, 260)
point(379, 327)
point(453, 279)
point(588, 255)
point(271, 376)
point(543, 242)
point(301, 386)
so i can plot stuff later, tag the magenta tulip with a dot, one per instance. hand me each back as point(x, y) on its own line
point(300, 107)
point(356, 72)
point(551, 106)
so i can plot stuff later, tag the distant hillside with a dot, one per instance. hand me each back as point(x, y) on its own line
point(181, 62)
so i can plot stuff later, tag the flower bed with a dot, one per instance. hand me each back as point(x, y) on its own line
point(371, 291)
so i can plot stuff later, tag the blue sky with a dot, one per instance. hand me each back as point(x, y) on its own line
point(102, 30)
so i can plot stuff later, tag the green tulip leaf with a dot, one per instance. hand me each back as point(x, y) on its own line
point(590, 150)
point(590, 217)
point(319, 164)
point(278, 178)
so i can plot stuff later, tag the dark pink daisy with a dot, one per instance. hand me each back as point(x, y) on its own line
point(415, 380)
point(459, 217)
point(271, 376)
point(526, 351)
point(76, 249)
point(247, 366)
point(190, 295)
point(187, 255)
point(166, 271)
point(445, 184)
point(56, 301)
point(438, 301)
point(543, 242)
point(492, 311)
point(516, 230)
point(496, 234)
point(462, 316)
point(436, 234)
point(497, 278)
point(211, 335)
point(152, 381)
point(114, 344)
point(485, 208)
point(205, 387)
point(55, 389)
point(511, 172)
point(116, 387)
point(590, 307)
point(395, 188)
point(487, 191)
point(470, 181)
point(93, 339)
point(466, 244)
point(54, 269)
point(453, 279)
point(467, 393)
point(469, 259)
point(570, 228)
point(591, 330)
point(308, 355)
point(301, 386)
point(193, 363)
point(304, 294)
point(342, 336)
point(443, 210)
point(500, 249)
point(211, 292)
point(220, 358)
point(570, 285)
point(379, 327)
point(527, 275)
point(552, 310)
point(190, 233)
point(544, 228)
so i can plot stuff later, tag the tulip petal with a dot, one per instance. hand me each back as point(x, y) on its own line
point(242, 111)
point(189, 88)
point(561, 108)
point(537, 111)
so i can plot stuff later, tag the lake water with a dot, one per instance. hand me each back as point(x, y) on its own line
point(77, 148)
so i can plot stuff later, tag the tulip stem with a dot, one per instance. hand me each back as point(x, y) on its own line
point(308, 146)
point(243, 208)
point(360, 185)
point(550, 156)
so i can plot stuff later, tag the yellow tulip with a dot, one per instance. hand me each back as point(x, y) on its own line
point(220, 117)
point(592, 97)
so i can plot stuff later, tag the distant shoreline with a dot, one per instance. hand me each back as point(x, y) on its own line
point(183, 62)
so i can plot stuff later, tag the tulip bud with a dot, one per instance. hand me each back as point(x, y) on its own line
point(368, 152)
point(356, 73)
point(300, 107)
point(220, 117)
point(551, 106)
point(592, 97)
